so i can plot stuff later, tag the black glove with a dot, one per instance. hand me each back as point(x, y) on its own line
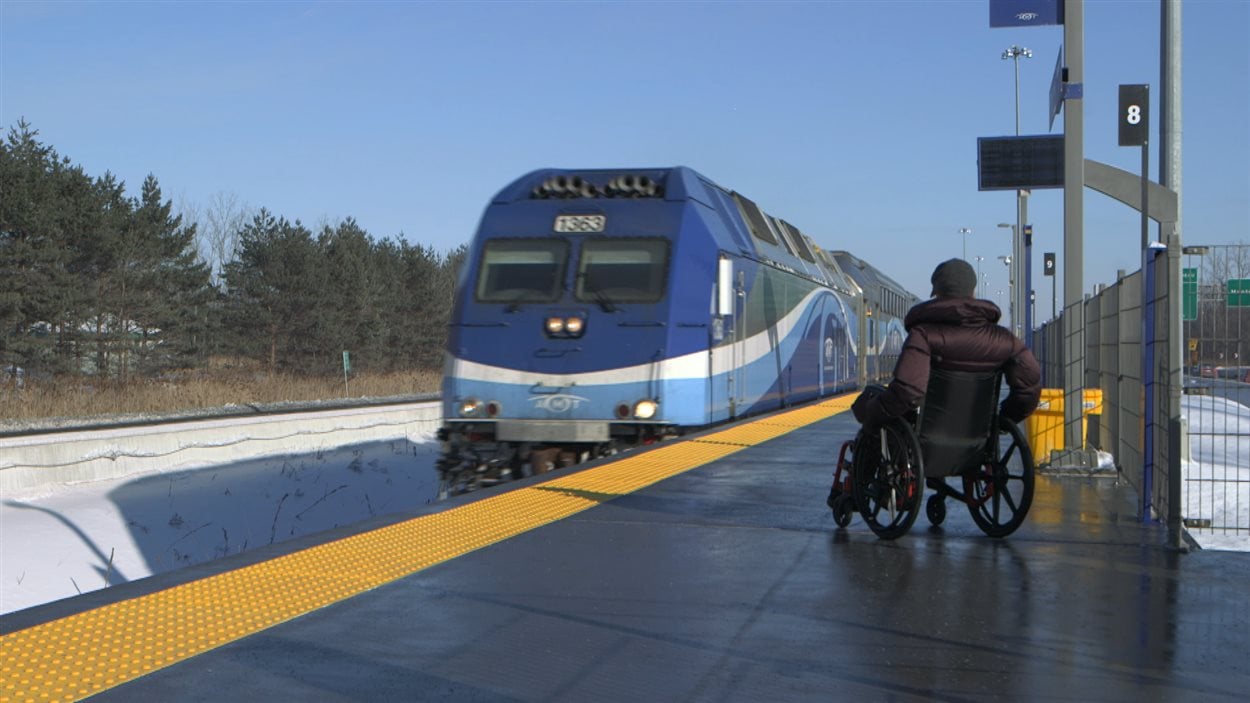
point(866, 409)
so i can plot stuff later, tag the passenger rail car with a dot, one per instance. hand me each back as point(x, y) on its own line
point(884, 303)
point(599, 310)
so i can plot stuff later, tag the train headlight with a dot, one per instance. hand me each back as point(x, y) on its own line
point(571, 326)
point(469, 407)
point(645, 409)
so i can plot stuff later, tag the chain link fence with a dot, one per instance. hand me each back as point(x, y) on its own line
point(1216, 328)
point(1129, 338)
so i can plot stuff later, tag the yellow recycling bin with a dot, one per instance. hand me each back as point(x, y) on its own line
point(1044, 428)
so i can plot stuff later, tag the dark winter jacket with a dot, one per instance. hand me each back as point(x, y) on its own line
point(956, 334)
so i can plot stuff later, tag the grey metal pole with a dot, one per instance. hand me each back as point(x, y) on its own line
point(1019, 299)
point(1016, 60)
point(1170, 177)
point(1073, 225)
point(1053, 294)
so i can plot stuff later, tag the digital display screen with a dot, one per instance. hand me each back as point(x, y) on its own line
point(1011, 163)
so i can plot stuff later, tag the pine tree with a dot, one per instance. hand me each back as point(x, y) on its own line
point(353, 317)
point(170, 283)
point(275, 287)
point(42, 294)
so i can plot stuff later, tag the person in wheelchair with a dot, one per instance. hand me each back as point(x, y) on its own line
point(957, 353)
point(954, 331)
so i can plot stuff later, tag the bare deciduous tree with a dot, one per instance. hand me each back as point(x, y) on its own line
point(222, 219)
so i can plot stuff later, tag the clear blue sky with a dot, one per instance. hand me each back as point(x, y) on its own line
point(856, 121)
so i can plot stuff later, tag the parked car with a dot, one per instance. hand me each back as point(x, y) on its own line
point(1234, 373)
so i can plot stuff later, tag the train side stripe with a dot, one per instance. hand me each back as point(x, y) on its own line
point(93, 651)
point(693, 365)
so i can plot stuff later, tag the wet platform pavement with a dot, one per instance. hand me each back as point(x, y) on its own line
point(730, 582)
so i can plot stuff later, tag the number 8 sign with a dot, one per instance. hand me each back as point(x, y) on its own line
point(1134, 115)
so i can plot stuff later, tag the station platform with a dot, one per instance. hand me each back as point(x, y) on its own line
point(707, 569)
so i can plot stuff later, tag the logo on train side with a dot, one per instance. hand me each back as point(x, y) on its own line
point(557, 402)
point(828, 349)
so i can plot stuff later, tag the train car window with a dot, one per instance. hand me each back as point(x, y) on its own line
point(754, 219)
point(800, 242)
point(780, 232)
point(829, 262)
point(522, 270)
point(723, 208)
point(622, 270)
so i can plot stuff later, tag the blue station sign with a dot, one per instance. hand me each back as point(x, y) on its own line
point(1025, 13)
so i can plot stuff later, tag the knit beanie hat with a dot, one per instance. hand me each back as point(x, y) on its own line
point(954, 279)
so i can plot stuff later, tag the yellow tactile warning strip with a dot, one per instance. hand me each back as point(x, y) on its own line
point(84, 654)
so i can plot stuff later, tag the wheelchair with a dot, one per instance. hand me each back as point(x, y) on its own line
point(956, 444)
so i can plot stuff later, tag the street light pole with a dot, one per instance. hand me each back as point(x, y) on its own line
point(965, 231)
point(1011, 291)
point(1011, 274)
point(1022, 203)
point(979, 260)
point(1014, 53)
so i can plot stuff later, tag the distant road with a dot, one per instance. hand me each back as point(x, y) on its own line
point(1229, 390)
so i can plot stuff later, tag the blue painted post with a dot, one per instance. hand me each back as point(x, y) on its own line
point(1149, 414)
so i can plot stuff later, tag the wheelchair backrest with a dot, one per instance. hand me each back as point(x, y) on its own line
point(958, 419)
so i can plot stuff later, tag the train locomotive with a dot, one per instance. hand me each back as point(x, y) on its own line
point(599, 310)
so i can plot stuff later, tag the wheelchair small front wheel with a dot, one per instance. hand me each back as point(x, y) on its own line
point(843, 508)
point(935, 509)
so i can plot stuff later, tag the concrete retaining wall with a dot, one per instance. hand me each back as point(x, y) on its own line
point(57, 458)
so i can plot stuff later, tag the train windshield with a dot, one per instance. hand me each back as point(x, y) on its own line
point(522, 270)
point(622, 270)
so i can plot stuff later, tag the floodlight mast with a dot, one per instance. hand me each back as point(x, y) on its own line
point(1015, 53)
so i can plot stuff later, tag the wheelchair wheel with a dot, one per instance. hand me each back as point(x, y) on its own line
point(843, 508)
point(999, 493)
point(935, 508)
point(888, 479)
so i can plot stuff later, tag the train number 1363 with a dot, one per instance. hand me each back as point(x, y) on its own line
point(580, 223)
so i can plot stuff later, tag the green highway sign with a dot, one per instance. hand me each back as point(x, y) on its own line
point(1189, 294)
point(1239, 292)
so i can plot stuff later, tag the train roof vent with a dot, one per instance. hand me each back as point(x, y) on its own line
point(622, 186)
point(630, 186)
point(566, 187)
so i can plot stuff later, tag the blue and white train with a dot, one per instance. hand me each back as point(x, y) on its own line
point(599, 310)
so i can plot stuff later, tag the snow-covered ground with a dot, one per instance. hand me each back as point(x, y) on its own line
point(61, 541)
point(58, 542)
point(1216, 485)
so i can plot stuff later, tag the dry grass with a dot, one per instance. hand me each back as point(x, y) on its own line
point(220, 388)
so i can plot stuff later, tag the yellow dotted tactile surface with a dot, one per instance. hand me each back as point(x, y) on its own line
point(84, 654)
